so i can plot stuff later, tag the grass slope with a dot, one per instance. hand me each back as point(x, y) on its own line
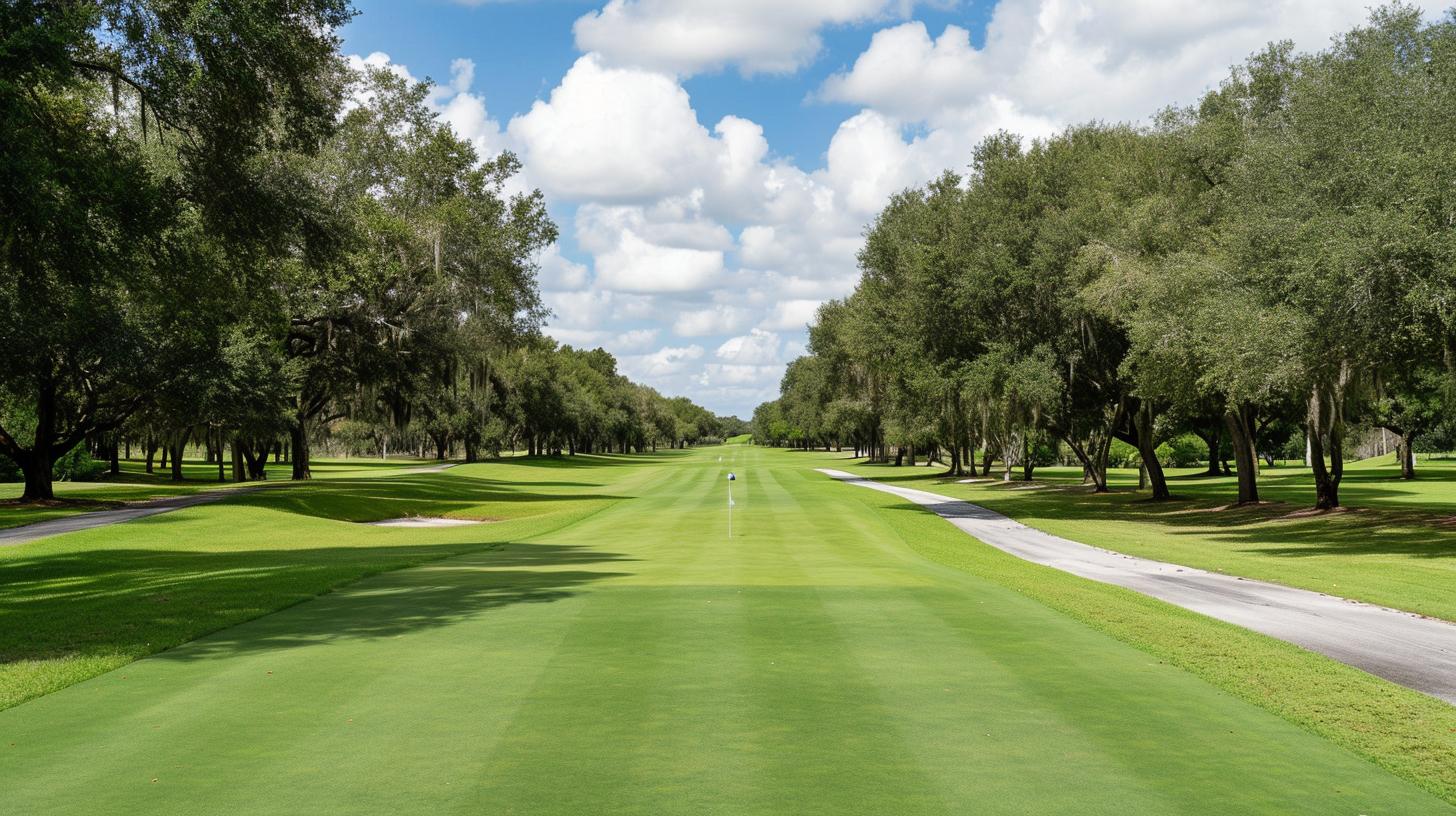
point(77, 605)
point(135, 484)
point(637, 661)
point(1396, 546)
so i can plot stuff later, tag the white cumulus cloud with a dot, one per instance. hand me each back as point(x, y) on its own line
point(614, 134)
point(636, 265)
point(758, 347)
point(790, 315)
point(688, 36)
point(716, 319)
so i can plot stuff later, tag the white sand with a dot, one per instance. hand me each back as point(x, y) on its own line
point(424, 521)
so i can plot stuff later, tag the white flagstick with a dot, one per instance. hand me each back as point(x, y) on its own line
point(731, 479)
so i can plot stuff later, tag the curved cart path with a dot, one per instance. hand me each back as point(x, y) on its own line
point(1414, 651)
point(26, 533)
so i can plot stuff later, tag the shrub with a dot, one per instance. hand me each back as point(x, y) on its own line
point(1121, 454)
point(1185, 450)
point(78, 466)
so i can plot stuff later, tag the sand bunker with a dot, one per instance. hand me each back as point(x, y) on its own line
point(424, 521)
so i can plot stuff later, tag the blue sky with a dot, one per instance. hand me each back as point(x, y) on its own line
point(712, 165)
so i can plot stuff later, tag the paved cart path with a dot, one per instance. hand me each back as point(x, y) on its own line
point(1412, 650)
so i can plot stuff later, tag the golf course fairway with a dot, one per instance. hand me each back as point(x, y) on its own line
point(640, 661)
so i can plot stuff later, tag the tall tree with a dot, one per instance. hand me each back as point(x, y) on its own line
point(128, 126)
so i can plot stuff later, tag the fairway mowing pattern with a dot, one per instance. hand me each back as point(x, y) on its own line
point(641, 662)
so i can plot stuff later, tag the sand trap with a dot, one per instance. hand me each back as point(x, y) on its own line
point(424, 521)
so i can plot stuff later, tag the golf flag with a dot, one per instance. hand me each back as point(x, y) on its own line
point(731, 480)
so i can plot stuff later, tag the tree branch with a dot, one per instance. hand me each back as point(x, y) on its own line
point(10, 446)
point(116, 73)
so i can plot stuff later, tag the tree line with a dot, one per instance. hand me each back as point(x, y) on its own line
point(214, 233)
point(1276, 261)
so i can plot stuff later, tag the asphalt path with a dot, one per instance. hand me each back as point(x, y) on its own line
point(1415, 651)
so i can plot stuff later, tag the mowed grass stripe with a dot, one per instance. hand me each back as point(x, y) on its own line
point(824, 716)
point(635, 662)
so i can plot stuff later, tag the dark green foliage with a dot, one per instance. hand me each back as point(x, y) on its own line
point(140, 139)
point(1274, 263)
point(78, 466)
point(1184, 450)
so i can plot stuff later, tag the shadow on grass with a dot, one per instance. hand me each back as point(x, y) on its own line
point(434, 595)
point(1384, 515)
point(136, 602)
point(368, 499)
point(593, 460)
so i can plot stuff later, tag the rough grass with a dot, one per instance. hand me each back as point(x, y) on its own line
point(81, 604)
point(1394, 545)
point(135, 484)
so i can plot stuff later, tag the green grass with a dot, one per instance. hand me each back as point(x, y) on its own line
point(843, 653)
point(77, 605)
point(741, 439)
point(1395, 546)
point(135, 484)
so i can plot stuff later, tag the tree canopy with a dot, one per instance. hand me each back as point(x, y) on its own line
point(215, 233)
point(1281, 254)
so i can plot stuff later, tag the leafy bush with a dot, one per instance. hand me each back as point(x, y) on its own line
point(1121, 454)
point(1185, 450)
point(1294, 448)
point(9, 471)
point(78, 466)
point(1043, 454)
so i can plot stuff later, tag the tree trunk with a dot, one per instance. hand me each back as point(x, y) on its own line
point(38, 463)
point(1323, 430)
point(240, 470)
point(1326, 488)
point(115, 456)
point(1213, 438)
point(955, 461)
point(1094, 456)
point(1405, 449)
point(1241, 434)
point(37, 468)
point(258, 460)
point(1143, 422)
point(298, 442)
point(179, 449)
